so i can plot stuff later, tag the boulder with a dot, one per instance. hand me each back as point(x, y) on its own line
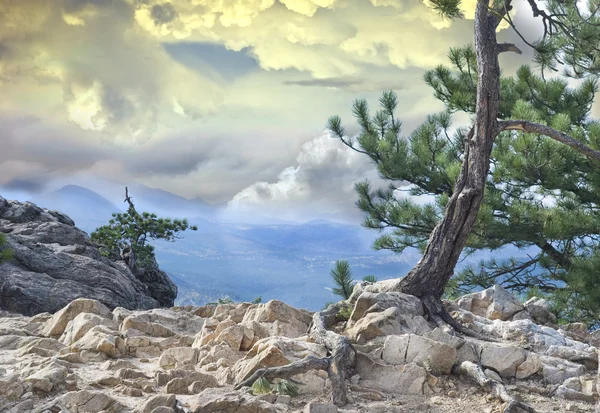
point(45, 347)
point(532, 365)
point(56, 326)
point(278, 319)
point(388, 322)
point(160, 287)
point(156, 402)
point(44, 243)
point(368, 302)
point(221, 400)
point(279, 351)
point(48, 378)
point(411, 348)
point(163, 323)
point(313, 407)
point(503, 359)
point(100, 339)
point(178, 357)
point(81, 324)
point(90, 401)
point(556, 371)
point(400, 379)
point(539, 310)
point(494, 303)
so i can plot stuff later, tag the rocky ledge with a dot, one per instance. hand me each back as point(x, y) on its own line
point(55, 263)
point(86, 358)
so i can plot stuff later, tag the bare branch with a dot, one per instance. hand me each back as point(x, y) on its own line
point(562, 137)
point(508, 47)
point(128, 199)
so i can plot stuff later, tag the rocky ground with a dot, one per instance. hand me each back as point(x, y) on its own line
point(87, 358)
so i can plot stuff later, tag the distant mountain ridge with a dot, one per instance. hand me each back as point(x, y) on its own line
point(272, 258)
point(87, 208)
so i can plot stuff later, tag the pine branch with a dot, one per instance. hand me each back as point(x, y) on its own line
point(562, 137)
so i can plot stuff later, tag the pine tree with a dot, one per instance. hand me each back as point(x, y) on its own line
point(444, 228)
point(541, 190)
point(127, 234)
point(342, 277)
point(5, 253)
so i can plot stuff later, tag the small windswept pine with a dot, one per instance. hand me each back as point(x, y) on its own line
point(127, 234)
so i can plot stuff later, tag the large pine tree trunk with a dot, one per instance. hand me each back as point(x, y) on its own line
point(429, 277)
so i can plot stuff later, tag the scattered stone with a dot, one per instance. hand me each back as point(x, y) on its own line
point(178, 357)
point(221, 400)
point(283, 399)
point(90, 401)
point(154, 402)
point(504, 359)
point(320, 408)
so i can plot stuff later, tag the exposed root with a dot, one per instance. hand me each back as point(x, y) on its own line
point(496, 389)
point(438, 314)
point(339, 364)
point(285, 372)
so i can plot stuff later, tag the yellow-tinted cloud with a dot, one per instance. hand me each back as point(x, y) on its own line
point(113, 77)
point(307, 7)
point(326, 38)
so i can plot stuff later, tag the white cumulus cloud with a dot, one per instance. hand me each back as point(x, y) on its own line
point(320, 185)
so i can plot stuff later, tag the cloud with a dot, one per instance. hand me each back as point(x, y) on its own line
point(351, 84)
point(96, 69)
point(320, 184)
point(327, 38)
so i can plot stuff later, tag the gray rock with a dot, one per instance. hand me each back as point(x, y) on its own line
point(160, 286)
point(503, 359)
point(539, 309)
point(90, 401)
point(160, 400)
point(320, 408)
point(55, 263)
point(222, 400)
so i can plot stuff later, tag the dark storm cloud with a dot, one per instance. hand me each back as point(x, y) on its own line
point(349, 83)
point(329, 82)
point(163, 13)
point(26, 185)
point(34, 154)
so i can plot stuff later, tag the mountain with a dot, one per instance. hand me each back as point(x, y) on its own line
point(88, 209)
point(272, 258)
point(168, 204)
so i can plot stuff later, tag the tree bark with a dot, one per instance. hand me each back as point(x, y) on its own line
point(429, 277)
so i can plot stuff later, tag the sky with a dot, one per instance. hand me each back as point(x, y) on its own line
point(226, 100)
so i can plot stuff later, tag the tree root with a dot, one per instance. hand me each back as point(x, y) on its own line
point(438, 314)
point(339, 364)
point(496, 389)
